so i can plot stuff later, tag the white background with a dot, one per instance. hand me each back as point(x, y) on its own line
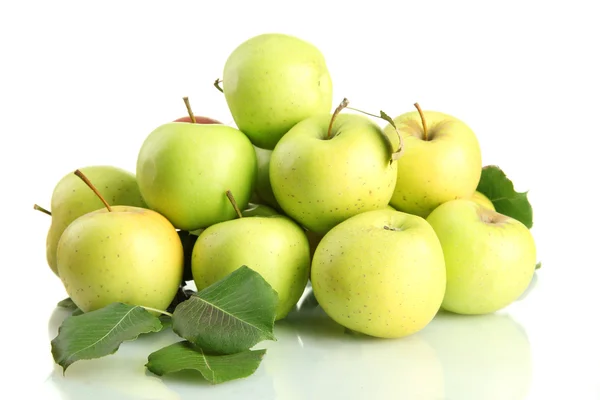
point(83, 83)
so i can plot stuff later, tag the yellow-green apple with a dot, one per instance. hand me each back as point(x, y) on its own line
point(71, 199)
point(441, 161)
point(263, 189)
point(482, 199)
point(380, 273)
point(273, 81)
point(323, 173)
point(122, 254)
point(269, 243)
point(184, 170)
point(490, 257)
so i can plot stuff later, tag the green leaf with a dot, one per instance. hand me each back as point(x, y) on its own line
point(538, 265)
point(496, 186)
point(229, 316)
point(166, 321)
point(214, 368)
point(67, 303)
point(99, 333)
point(77, 312)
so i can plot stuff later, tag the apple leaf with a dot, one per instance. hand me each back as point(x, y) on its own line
point(67, 303)
point(496, 186)
point(229, 316)
point(397, 153)
point(100, 333)
point(214, 368)
point(538, 265)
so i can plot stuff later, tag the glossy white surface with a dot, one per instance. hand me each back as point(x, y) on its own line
point(84, 84)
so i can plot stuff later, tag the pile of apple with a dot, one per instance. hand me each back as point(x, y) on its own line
point(385, 224)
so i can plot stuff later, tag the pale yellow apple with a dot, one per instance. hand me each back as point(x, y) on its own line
point(490, 257)
point(441, 166)
point(380, 273)
point(482, 199)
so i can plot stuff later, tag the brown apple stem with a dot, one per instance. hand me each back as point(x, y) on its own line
point(217, 82)
point(234, 203)
point(91, 186)
point(42, 209)
point(189, 109)
point(338, 110)
point(422, 120)
point(396, 154)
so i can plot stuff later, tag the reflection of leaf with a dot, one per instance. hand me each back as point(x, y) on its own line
point(496, 186)
point(214, 368)
point(99, 333)
point(229, 316)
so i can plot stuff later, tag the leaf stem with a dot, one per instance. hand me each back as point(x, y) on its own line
point(234, 203)
point(396, 154)
point(339, 109)
point(217, 81)
point(91, 186)
point(42, 209)
point(189, 109)
point(422, 120)
point(158, 311)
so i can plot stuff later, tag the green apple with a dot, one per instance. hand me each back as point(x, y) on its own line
point(271, 244)
point(129, 254)
point(72, 198)
point(321, 180)
point(263, 188)
point(273, 81)
point(490, 258)
point(184, 170)
point(441, 161)
point(380, 273)
point(482, 199)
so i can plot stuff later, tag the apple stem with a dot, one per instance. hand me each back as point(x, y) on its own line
point(217, 82)
point(189, 109)
point(396, 154)
point(91, 186)
point(422, 120)
point(42, 209)
point(234, 203)
point(338, 110)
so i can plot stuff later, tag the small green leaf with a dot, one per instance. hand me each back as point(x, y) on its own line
point(166, 321)
point(496, 186)
point(76, 312)
point(99, 333)
point(67, 303)
point(538, 265)
point(216, 369)
point(397, 153)
point(229, 316)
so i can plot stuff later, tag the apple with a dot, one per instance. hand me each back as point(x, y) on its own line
point(199, 120)
point(122, 254)
point(380, 273)
point(322, 175)
point(263, 190)
point(273, 81)
point(441, 161)
point(271, 244)
point(482, 199)
point(71, 199)
point(184, 170)
point(490, 257)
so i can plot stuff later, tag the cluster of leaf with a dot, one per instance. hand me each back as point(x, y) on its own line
point(219, 325)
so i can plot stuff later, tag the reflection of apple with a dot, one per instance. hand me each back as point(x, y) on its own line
point(484, 357)
point(199, 120)
point(327, 360)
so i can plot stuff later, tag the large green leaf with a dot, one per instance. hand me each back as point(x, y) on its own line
point(214, 368)
point(496, 186)
point(99, 333)
point(229, 316)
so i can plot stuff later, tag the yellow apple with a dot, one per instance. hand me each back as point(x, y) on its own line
point(441, 161)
